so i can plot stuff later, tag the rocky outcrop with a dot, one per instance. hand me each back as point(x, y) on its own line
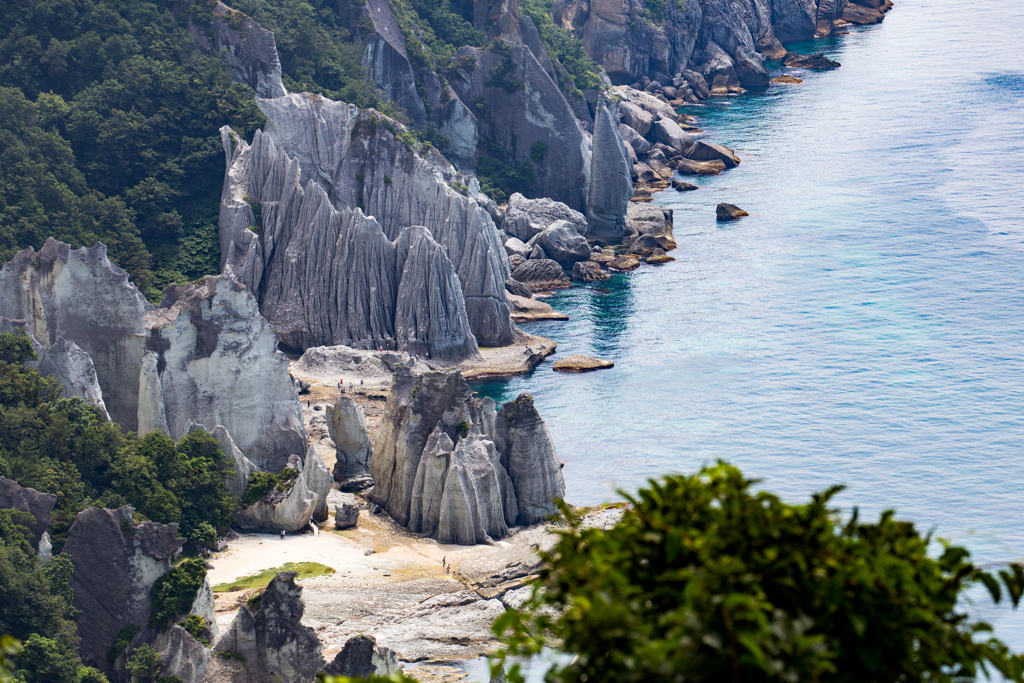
point(270, 638)
point(35, 503)
point(238, 468)
point(116, 562)
point(64, 361)
point(527, 218)
point(248, 50)
point(449, 466)
point(293, 508)
point(563, 244)
point(181, 655)
point(346, 425)
point(726, 41)
point(327, 273)
point(361, 657)
point(80, 296)
point(528, 118)
point(729, 212)
point(212, 359)
point(610, 183)
point(579, 363)
point(541, 274)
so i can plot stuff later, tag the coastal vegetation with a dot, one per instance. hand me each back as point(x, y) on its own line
point(64, 446)
point(706, 579)
point(305, 570)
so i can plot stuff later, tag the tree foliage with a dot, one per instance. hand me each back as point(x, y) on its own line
point(174, 593)
point(706, 580)
point(65, 447)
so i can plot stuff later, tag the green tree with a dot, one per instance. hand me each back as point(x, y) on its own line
point(9, 648)
point(706, 580)
point(174, 593)
point(145, 667)
point(45, 661)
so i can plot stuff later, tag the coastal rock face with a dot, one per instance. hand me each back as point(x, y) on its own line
point(240, 468)
point(212, 359)
point(449, 466)
point(36, 503)
point(325, 272)
point(292, 510)
point(725, 40)
point(529, 118)
point(361, 657)
point(80, 296)
point(528, 454)
point(610, 183)
point(271, 639)
point(116, 562)
point(527, 218)
point(346, 425)
point(248, 50)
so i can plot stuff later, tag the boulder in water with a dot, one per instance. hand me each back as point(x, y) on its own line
point(815, 61)
point(729, 212)
point(541, 274)
point(563, 244)
point(579, 363)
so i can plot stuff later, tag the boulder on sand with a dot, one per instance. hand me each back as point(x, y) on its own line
point(346, 425)
point(729, 212)
point(580, 363)
point(345, 516)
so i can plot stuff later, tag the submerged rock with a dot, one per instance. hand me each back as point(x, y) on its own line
point(346, 425)
point(815, 61)
point(116, 562)
point(212, 359)
point(270, 638)
point(449, 466)
point(709, 151)
point(35, 503)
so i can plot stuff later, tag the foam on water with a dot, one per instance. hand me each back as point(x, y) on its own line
point(865, 325)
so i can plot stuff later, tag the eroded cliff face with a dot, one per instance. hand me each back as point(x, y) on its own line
point(630, 42)
point(212, 359)
point(116, 562)
point(80, 296)
point(338, 258)
point(450, 466)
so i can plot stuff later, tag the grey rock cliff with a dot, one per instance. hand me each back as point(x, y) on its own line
point(79, 295)
point(182, 655)
point(346, 425)
point(271, 639)
point(66, 362)
point(36, 503)
point(441, 460)
point(116, 562)
point(248, 50)
point(610, 183)
point(526, 218)
point(325, 272)
point(212, 359)
point(292, 510)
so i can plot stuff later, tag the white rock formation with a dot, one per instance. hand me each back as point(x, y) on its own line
point(292, 510)
point(80, 296)
point(346, 425)
point(212, 359)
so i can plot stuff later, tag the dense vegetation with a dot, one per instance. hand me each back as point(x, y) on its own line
point(563, 49)
point(63, 446)
point(706, 580)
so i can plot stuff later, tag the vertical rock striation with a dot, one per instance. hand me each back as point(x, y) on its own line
point(610, 183)
point(327, 273)
point(449, 466)
point(212, 359)
point(346, 425)
point(80, 296)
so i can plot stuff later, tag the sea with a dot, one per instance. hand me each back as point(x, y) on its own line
point(863, 326)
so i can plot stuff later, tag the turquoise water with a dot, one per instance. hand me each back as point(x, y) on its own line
point(864, 326)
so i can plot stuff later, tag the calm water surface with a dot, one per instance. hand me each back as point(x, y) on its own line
point(864, 326)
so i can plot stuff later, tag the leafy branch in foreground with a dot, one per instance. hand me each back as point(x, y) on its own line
point(706, 580)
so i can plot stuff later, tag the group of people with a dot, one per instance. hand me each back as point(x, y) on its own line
point(448, 568)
